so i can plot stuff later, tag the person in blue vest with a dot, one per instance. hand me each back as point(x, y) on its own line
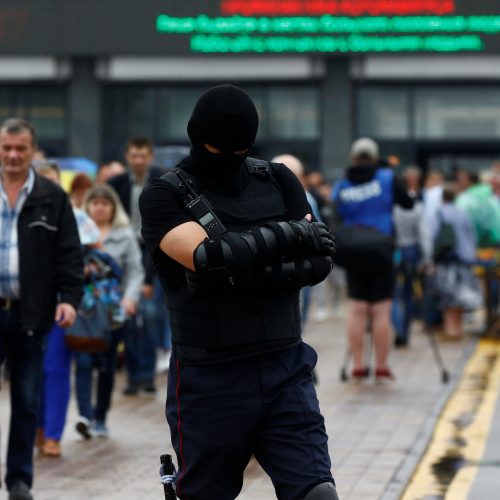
point(240, 378)
point(364, 198)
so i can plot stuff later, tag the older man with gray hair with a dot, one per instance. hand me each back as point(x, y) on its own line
point(41, 280)
point(296, 166)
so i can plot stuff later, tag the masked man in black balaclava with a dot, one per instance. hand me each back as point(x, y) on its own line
point(233, 243)
point(222, 129)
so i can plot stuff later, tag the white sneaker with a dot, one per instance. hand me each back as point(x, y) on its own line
point(321, 314)
point(83, 427)
point(163, 362)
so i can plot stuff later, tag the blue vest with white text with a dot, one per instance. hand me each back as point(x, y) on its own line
point(368, 204)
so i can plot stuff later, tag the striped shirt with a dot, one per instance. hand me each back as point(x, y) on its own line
point(9, 251)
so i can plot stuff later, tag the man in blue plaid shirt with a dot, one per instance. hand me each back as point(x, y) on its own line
point(41, 279)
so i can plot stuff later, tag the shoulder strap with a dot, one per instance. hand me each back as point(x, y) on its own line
point(260, 168)
point(186, 185)
point(263, 169)
point(108, 264)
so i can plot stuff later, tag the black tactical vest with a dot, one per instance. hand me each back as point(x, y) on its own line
point(236, 317)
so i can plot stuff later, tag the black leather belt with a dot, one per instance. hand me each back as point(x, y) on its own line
point(7, 304)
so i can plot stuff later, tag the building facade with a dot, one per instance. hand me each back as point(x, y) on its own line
point(421, 77)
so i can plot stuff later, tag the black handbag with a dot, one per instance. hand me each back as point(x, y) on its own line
point(90, 332)
point(359, 247)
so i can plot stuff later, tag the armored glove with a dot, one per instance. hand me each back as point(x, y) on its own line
point(233, 255)
point(314, 236)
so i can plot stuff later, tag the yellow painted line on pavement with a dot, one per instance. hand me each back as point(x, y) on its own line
point(461, 433)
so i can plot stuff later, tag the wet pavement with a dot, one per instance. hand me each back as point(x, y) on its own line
point(378, 433)
point(486, 485)
point(463, 459)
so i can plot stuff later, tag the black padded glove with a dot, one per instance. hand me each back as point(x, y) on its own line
point(314, 236)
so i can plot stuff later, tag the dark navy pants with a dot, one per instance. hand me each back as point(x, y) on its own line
point(220, 415)
point(106, 363)
point(141, 347)
point(24, 352)
point(402, 305)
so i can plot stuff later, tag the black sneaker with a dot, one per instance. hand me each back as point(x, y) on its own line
point(400, 342)
point(148, 387)
point(20, 491)
point(131, 390)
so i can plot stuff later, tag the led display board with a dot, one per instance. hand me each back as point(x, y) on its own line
point(154, 27)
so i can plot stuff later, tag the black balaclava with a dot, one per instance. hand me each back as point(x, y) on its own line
point(224, 117)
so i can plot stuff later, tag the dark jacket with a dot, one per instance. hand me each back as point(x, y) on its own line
point(50, 255)
point(122, 184)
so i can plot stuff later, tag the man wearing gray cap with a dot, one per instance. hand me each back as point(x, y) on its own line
point(364, 200)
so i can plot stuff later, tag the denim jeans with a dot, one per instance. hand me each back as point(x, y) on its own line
point(106, 364)
point(24, 352)
point(159, 319)
point(305, 300)
point(402, 306)
point(153, 330)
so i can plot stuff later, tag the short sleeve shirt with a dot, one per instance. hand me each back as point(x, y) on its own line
point(162, 209)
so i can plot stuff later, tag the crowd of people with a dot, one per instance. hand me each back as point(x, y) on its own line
point(108, 219)
point(437, 226)
point(132, 313)
point(407, 244)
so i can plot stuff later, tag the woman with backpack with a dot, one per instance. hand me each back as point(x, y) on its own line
point(457, 287)
point(116, 239)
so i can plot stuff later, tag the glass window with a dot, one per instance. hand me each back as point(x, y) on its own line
point(293, 112)
point(175, 108)
point(448, 162)
point(258, 97)
point(130, 112)
point(5, 104)
point(284, 113)
point(44, 106)
point(288, 114)
point(457, 113)
point(46, 112)
point(383, 113)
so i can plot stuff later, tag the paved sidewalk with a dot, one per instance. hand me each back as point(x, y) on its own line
point(376, 432)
